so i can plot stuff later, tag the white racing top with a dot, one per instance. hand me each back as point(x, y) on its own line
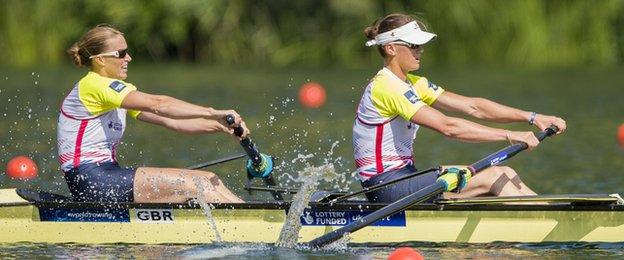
point(382, 133)
point(91, 122)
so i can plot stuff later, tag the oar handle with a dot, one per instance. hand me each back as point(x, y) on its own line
point(509, 151)
point(238, 131)
point(247, 144)
point(550, 131)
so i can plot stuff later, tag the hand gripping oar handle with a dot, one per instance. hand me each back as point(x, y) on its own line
point(509, 151)
point(246, 143)
point(438, 187)
point(259, 165)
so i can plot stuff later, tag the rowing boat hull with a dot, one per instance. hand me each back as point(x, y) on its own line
point(24, 221)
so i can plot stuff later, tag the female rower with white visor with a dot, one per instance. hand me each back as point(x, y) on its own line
point(92, 121)
point(396, 102)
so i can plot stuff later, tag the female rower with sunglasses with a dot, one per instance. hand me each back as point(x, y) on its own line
point(92, 121)
point(396, 102)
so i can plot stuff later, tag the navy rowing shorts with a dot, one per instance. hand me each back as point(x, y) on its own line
point(401, 189)
point(101, 182)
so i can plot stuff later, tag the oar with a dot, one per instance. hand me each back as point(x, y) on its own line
point(273, 189)
point(446, 182)
point(258, 165)
point(215, 162)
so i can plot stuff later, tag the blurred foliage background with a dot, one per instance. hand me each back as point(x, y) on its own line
point(526, 33)
point(559, 57)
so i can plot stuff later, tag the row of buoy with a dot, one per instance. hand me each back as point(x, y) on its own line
point(23, 168)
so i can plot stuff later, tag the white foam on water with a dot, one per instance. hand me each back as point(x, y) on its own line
point(226, 251)
point(340, 244)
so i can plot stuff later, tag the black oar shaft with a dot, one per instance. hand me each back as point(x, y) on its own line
point(273, 189)
point(423, 194)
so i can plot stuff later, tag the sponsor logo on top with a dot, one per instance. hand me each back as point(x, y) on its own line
point(411, 96)
point(117, 86)
point(115, 126)
point(433, 86)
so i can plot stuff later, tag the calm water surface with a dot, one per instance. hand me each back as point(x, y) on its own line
point(586, 159)
point(354, 251)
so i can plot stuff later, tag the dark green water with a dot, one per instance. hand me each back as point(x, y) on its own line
point(355, 251)
point(587, 159)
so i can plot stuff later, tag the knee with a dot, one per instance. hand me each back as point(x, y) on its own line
point(493, 174)
point(201, 181)
point(510, 172)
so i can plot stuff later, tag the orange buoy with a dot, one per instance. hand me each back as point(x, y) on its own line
point(620, 134)
point(405, 253)
point(21, 168)
point(312, 95)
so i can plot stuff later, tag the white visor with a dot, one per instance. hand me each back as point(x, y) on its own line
point(410, 33)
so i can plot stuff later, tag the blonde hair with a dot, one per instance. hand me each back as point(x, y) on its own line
point(387, 23)
point(92, 42)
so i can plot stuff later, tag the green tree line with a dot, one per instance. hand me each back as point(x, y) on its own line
point(528, 33)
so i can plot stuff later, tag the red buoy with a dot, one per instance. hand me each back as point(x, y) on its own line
point(21, 168)
point(405, 253)
point(620, 134)
point(312, 95)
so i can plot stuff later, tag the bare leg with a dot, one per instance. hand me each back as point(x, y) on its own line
point(179, 185)
point(494, 181)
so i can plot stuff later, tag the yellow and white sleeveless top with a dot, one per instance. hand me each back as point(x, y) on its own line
point(382, 133)
point(91, 122)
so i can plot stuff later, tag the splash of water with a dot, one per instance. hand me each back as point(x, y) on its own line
point(207, 207)
point(340, 244)
point(310, 177)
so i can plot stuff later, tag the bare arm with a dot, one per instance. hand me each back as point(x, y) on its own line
point(480, 108)
point(467, 131)
point(179, 115)
point(488, 110)
point(187, 126)
point(173, 108)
